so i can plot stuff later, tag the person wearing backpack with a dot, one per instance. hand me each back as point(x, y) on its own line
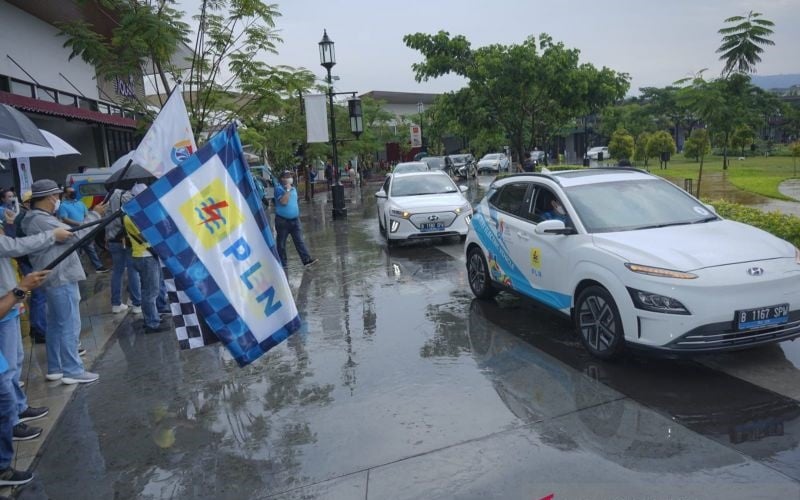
point(122, 258)
point(37, 304)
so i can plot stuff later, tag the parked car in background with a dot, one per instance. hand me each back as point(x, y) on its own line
point(537, 156)
point(89, 184)
point(594, 152)
point(464, 165)
point(634, 261)
point(493, 162)
point(411, 166)
point(422, 205)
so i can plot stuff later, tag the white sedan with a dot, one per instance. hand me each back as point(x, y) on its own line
point(493, 162)
point(634, 261)
point(422, 205)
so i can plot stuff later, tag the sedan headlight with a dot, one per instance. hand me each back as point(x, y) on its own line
point(657, 303)
point(660, 272)
point(465, 209)
point(401, 213)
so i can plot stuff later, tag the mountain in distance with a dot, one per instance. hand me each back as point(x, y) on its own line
point(768, 82)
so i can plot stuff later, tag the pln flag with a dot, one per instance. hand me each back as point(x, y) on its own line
point(205, 221)
point(170, 140)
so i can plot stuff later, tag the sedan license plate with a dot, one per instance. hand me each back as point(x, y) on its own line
point(747, 319)
point(431, 226)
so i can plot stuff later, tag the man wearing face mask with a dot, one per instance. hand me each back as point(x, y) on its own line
point(73, 212)
point(287, 221)
point(61, 286)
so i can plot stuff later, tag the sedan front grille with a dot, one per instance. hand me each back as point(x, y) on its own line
point(723, 336)
point(445, 218)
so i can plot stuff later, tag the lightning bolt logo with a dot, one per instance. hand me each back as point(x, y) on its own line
point(213, 212)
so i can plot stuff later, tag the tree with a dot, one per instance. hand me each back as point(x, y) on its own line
point(640, 147)
point(743, 41)
point(528, 90)
point(698, 146)
point(742, 137)
point(224, 74)
point(661, 142)
point(621, 145)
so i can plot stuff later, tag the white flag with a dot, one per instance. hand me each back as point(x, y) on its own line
point(170, 139)
point(316, 118)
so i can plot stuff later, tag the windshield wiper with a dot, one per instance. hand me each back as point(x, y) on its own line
point(707, 219)
point(656, 226)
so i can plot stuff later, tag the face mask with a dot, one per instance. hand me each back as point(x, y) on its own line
point(57, 206)
point(560, 210)
point(73, 196)
point(289, 181)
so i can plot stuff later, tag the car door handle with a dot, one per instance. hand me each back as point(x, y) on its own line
point(523, 236)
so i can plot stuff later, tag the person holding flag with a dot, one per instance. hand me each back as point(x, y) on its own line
point(287, 221)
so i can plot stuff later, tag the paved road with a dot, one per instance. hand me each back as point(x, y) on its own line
point(401, 385)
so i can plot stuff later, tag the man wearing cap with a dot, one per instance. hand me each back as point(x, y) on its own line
point(61, 286)
point(287, 221)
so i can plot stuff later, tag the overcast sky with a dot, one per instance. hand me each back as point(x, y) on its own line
point(656, 42)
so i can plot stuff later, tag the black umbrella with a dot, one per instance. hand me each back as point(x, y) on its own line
point(18, 127)
point(134, 174)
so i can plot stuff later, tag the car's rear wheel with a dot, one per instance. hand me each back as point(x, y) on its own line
point(598, 323)
point(478, 275)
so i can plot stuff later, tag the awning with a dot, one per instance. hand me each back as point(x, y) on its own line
point(32, 105)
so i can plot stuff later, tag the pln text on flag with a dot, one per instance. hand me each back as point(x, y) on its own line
point(205, 221)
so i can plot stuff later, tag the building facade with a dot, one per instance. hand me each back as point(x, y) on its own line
point(60, 95)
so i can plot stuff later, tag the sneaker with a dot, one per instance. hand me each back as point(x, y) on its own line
point(54, 376)
point(162, 327)
point(136, 309)
point(24, 432)
point(120, 308)
point(81, 351)
point(11, 477)
point(83, 378)
point(102, 270)
point(311, 262)
point(32, 413)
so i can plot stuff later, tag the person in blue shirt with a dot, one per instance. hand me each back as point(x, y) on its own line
point(557, 212)
point(72, 212)
point(287, 220)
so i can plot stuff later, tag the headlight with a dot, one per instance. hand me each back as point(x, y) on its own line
point(660, 272)
point(656, 303)
point(465, 209)
point(401, 213)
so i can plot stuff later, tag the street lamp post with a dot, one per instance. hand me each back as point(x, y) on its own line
point(327, 58)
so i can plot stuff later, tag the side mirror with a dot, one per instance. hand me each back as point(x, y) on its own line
point(380, 194)
point(553, 226)
point(711, 208)
point(463, 189)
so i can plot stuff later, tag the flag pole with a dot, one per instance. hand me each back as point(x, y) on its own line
point(84, 239)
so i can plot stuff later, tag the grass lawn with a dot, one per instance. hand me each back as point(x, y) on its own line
point(756, 174)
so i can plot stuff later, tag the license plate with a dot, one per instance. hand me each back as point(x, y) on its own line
point(431, 226)
point(747, 319)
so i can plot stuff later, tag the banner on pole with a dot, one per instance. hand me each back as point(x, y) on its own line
point(316, 118)
point(25, 177)
point(170, 140)
point(416, 136)
point(204, 220)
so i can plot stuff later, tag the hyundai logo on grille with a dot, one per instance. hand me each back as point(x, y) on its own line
point(755, 271)
point(433, 217)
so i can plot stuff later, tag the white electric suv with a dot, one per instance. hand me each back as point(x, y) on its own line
point(634, 260)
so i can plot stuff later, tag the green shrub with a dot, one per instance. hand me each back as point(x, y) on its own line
point(783, 226)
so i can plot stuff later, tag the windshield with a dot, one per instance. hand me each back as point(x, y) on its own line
point(434, 162)
point(629, 205)
point(423, 184)
point(410, 167)
point(495, 156)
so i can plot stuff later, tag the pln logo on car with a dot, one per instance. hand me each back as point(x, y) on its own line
point(212, 214)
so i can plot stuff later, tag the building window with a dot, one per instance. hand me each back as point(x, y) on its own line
point(119, 142)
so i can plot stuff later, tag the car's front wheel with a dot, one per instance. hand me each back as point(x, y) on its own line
point(478, 275)
point(598, 323)
point(380, 223)
point(389, 242)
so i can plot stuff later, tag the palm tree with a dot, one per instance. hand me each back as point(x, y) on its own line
point(743, 41)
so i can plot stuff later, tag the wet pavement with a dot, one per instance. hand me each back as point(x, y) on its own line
point(401, 385)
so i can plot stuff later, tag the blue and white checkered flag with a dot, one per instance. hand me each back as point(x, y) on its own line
point(205, 221)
